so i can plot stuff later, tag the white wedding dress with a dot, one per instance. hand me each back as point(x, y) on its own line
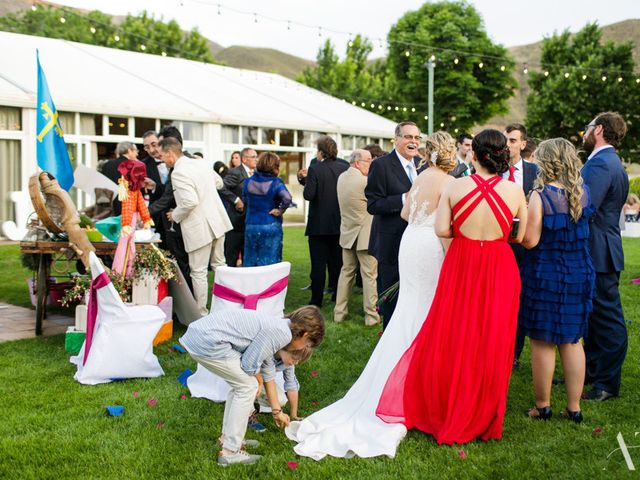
point(350, 426)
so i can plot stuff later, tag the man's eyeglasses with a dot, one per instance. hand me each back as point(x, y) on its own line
point(588, 126)
point(150, 146)
point(417, 138)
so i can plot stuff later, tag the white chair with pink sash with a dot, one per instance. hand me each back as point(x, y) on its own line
point(254, 288)
point(119, 342)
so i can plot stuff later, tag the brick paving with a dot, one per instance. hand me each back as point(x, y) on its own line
point(17, 323)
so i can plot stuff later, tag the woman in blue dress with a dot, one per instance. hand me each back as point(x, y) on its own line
point(266, 198)
point(557, 276)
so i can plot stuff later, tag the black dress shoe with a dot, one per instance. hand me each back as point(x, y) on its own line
point(516, 364)
point(573, 416)
point(597, 395)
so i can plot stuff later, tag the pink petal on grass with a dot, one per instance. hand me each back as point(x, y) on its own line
point(160, 425)
point(136, 394)
point(314, 373)
point(462, 454)
point(152, 402)
point(183, 396)
point(292, 465)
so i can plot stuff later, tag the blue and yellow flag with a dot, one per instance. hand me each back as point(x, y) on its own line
point(51, 150)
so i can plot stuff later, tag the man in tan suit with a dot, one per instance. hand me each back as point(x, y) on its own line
point(355, 226)
point(199, 211)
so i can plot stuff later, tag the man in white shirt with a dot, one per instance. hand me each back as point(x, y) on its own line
point(199, 211)
point(524, 174)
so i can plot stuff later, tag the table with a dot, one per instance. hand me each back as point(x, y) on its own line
point(45, 250)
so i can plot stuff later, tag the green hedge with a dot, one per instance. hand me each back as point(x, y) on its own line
point(634, 186)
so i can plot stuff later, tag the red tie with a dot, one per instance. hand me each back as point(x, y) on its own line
point(512, 177)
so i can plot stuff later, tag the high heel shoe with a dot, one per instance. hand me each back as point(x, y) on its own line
point(573, 416)
point(544, 413)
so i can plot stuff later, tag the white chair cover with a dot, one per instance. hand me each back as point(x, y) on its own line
point(249, 280)
point(122, 345)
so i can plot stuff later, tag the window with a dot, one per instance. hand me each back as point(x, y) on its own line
point(307, 139)
point(269, 136)
point(143, 125)
point(360, 142)
point(118, 126)
point(250, 135)
point(286, 138)
point(347, 142)
point(10, 178)
point(192, 131)
point(67, 122)
point(90, 124)
point(387, 145)
point(230, 134)
point(10, 118)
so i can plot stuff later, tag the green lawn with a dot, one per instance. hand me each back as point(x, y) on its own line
point(53, 427)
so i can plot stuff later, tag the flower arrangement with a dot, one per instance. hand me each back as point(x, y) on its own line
point(388, 295)
point(154, 262)
point(81, 284)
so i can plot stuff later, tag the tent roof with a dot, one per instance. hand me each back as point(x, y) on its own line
point(91, 79)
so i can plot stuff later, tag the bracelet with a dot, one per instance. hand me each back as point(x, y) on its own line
point(276, 412)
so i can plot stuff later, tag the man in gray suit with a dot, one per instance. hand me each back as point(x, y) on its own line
point(355, 227)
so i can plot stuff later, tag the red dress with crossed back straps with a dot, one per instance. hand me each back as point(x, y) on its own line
point(452, 382)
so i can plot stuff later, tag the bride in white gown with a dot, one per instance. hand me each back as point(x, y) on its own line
point(350, 426)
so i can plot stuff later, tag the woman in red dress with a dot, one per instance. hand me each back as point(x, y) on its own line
point(452, 382)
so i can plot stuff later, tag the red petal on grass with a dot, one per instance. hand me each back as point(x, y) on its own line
point(183, 396)
point(314, 373)
point(136, 394)
point(292, 465)
point(170, 350)
point(597, 430)
point(462, 454)
point(160, 425)
point(152, 402)
point(379, 334)
point(315, 403)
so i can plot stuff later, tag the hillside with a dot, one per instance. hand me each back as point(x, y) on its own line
point(627, 30)
point(263, 59)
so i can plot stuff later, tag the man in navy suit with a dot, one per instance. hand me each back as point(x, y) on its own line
point(606, 342)
point(524, 174)
point(390, 178)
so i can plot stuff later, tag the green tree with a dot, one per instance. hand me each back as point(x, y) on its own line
point(351, 78)
point(465, 93)
point(141, 33)
point(585, 77)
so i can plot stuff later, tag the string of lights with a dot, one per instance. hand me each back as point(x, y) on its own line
point(482, 61)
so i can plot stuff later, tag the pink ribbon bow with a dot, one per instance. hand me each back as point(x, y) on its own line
point(250, 302)
point(100, 281)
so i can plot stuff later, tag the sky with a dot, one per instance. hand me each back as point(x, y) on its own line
point(280, 24)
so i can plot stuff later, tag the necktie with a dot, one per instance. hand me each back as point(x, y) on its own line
point(512, 177)
point(410, 173)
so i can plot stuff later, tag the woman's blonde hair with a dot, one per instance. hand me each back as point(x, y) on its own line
point(632, 199)
point(559, 162)
point(442, 147)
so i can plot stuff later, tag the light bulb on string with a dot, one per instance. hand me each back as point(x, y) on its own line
point(397, 108)
point(584, 77)
point(604, 78)
point(388, 107)
point(525, 70)
point(546, 73)
point(432, 58)
point(455, 130)
point(637, 80)
point(353, 103)
point(442, 125)
point(164, 54)
point(92, 29)
point(566, 75)
point(407, 53)
point(380, 107)
point(404, 109)
point(413, 109)
point(63, 20)
point(116, 38)
point(362, 104)
point(143, 47)
point(373, 105)
point(619, 79)
point(455, 60)
point(480, 65)
point(426, 117)
point(502, 68)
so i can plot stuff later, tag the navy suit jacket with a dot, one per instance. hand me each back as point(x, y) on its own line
point(233, 182)
point(609, 186)
point(529, 174)
point(320, 190)
point(386, 183)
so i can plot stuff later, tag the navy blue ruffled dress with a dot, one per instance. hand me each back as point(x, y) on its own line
point(558, 275)
point(262, 192)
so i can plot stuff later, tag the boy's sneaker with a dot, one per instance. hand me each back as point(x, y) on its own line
point(255, 425)
point(240, 457)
